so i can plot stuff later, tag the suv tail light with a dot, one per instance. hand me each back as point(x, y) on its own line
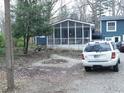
point(113, 55)
point(82, 55)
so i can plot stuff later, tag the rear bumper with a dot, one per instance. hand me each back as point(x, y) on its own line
point(103, 64)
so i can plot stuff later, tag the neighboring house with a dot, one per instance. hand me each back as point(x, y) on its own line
point(112, 28)
point(70, 34)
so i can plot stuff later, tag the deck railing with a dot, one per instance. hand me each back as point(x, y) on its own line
point(63, 41)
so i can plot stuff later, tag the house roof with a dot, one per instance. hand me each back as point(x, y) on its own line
point(73, 21)
point(112, 18)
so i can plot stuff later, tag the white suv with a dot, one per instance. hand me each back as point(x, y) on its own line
point(100, 54)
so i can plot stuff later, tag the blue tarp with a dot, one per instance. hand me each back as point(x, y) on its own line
point(41, 40)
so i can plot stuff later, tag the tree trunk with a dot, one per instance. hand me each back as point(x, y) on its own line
point(26, 44)
point(9, 47)
point(113, 7)
point(26, 40)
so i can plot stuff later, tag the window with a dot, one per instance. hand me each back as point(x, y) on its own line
point(71, 32)
point(79, 25)
point(64, 33)
point(79, 32)
point(100, 47)
point(64, 24)
point(57, 26)
point(57, 32)
point(71, 24)
point(111, 26)
point(86, 32)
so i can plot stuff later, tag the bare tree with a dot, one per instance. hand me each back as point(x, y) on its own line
point(93, 6)
point(98, 8)
point(113, 7)
point(120, 7)
point(64, 13)
point(82, 6)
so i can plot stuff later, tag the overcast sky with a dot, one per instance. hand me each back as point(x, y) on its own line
point(1, 5)
point(69, 3)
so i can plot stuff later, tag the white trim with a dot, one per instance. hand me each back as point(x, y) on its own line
point(113, 38)
point(73, 21)
point(109, 38)
point(90, 33)
point(68, 47)
point(100, 26)
point(111, 30)
point(123, 38)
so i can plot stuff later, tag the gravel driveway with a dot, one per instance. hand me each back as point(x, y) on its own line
point(100, 81)
point(72, 79)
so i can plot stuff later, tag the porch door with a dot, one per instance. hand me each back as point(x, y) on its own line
point(117, 38)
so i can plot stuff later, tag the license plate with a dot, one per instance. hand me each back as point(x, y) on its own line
point(96, 56)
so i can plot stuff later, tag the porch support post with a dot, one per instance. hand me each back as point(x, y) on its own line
point(75, 33)
point(47, 40)
point(53, 35)
point(60, 34)
point(68, 32)
point(90, 33)
point(83, 34)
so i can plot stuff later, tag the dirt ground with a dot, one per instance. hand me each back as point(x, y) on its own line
point(51, 76)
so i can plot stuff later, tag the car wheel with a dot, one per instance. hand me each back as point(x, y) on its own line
point(87, 69)
point(115, 68)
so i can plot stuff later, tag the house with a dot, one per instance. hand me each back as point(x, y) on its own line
point(70, 34)
point(112, 28)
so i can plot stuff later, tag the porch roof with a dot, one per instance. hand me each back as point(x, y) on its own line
point(107, 18)
point(73, 21)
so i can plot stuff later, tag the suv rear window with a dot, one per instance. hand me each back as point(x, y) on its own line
point(98, 47)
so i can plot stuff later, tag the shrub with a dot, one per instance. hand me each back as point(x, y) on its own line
point(2, 51)
point(2, 41)
point(19, 42)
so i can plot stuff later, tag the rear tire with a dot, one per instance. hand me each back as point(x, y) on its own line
point(87, 69)
point(115, 68)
